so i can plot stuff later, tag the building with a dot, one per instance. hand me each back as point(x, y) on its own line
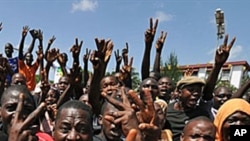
point(232, 72)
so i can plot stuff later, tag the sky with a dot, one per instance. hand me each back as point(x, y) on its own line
point(190, 26)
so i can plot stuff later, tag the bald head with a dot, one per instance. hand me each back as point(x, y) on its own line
point(199, 128)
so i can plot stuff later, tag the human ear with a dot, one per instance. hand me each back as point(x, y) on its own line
point(100, 119)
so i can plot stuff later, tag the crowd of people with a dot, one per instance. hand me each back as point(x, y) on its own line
point(92, 106)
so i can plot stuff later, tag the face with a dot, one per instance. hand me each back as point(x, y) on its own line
point(221, 95)
point(18, 79)
point(165, 86)
point(109, 129)
point(109, 84)
point(160, 114)
point(29, 58)
point(199, 131)
point(85, 99)
point(237, 118)
point(190, 95)
point(152, 85)
point(9, 106)
point(73, 124)
point(63, 83)
point(8, 50)
point(51, 97)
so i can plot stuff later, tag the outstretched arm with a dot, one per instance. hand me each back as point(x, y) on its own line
point(85, 71)
point(221, 57)
point(149, 38)
point(21, 45)
point(159, 45)
point(35, 34)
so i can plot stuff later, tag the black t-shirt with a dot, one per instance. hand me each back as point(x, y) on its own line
point(176, 120)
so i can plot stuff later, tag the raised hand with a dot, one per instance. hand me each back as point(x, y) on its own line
point(86, 56)
point(147, 116)
point(150, 33)
point(188, 72)
point(223, 51)
point(20, 130)
point(51, 40)
point(34, 33)
point(104, 48)
point(76, 48)
point(125, 116)
point(127, 69)
point(95, 59)
point(118, 58)
point(52, 55)
point(25, 31)
point(40, 35)
point(125, 54)
point(61, 60)
point(160, 41)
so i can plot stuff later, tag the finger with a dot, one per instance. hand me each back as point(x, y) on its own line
point(33, 115)
point(136, 99)
point(232, 43)
point(119, 105)
point(156, 24)
point(19, 107)
point(109, 118)
point(131, 135)
point(80, 46)
point(148, 99)
point(146, 127)
point(127, 46)
point(124, 97)
point(131, 61)
point(151, 23)
point(225, 40)
point(76, 41)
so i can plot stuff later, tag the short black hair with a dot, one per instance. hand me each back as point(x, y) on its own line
point(18, 89)
point(76, 104)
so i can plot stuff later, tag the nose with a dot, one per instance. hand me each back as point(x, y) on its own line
point(73, 136)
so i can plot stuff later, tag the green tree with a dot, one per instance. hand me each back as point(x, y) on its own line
point(170, 68)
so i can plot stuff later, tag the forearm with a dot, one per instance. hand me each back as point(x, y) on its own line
point(146, 62)
point(211, 82)
point(157, 62)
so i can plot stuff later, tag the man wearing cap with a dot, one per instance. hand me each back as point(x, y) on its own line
point(180, 112)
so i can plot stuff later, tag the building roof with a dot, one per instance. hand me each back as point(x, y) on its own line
point(209, 66)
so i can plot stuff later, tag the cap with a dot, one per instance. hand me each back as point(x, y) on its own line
point(188, 80)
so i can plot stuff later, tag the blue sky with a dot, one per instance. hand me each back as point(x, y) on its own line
point(190, 25)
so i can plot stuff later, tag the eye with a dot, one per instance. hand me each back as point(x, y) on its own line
point(64, 129)
point(11, 107)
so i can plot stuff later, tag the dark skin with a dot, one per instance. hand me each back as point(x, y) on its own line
point(99, 59)
point(73, 124)
point(165, 88)
point(18, 79)
point(199, 129)
point(147, 116)
point(149, 38)
point(21, 131)
point(159, 46)
point(221, 57)
point(8, 50)
point(118, 60)
point(21, 45)
point(86, 57)
point(5, 69)
point(125, 115)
